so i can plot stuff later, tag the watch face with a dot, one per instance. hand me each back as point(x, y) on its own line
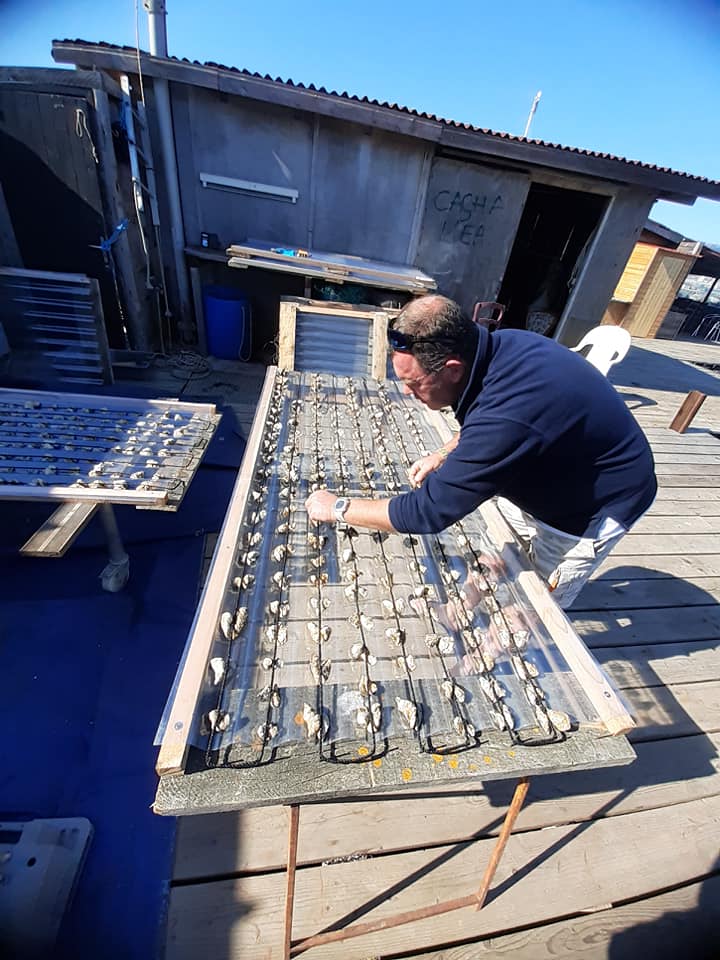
point(341, 506)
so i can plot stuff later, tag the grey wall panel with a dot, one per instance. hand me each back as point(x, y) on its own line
point(329, 345)
point(246, 141)
point(607, 254)
point(367, 187)
point(472, 213)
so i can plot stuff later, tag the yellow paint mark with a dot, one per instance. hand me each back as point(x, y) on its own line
point(511, 753)
point(487, 759)
point(363, 751)
point(377, 763)
point(406, 774)
point(452, 763)
point(299, 718)
point(472, 767)
point(438, 757)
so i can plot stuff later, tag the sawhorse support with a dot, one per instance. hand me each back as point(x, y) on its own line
point(476, 900)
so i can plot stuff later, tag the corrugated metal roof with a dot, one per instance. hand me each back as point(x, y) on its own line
point(398, 108)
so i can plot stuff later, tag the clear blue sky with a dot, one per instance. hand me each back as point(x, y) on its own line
point(636, 78)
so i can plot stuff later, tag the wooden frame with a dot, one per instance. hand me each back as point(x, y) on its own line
point(173, 751)
point(291, 306)
point(341, 264)
point(303, 267)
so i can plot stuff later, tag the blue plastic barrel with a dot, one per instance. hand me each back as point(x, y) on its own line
point(228, 323)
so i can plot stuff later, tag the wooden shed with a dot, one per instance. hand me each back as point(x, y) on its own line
point(490, 216)
point(648, 286)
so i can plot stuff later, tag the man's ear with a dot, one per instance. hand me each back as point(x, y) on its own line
point(455, 369)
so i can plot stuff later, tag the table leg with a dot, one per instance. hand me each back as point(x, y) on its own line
point(510, 817)
point(116, 573)
point(473, 900)
point(290, 887)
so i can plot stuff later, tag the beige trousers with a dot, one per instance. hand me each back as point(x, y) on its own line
point(563, 561)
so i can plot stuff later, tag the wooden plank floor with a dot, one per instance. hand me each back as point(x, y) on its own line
point(606, 864)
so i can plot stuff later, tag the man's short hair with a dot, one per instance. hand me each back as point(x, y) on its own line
point(436, 316)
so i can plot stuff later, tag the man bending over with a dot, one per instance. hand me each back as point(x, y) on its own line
point(540, 429)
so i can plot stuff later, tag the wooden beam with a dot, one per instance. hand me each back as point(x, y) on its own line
point(142, 498)
point(286, 336)
point(8, 395)
point(686, 414)
point(174, 747)
point(332, 307)
point(60, 530)
point(378, 365)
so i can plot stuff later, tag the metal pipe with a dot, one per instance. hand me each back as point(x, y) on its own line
point(157, 28)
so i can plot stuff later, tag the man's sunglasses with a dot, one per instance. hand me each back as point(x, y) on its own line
point(404, 342)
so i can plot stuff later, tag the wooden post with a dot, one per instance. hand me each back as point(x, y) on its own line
point(685, 415)
point(286, 335)
point(379, 346)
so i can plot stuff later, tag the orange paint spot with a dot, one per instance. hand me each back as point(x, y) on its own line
point(487, 759)
point(406, 774)
point(511, 753)
point(472, 767)
point(438, 758)
point(452, 763)
point(299, 718)
point(377, 763)
point(363, 751)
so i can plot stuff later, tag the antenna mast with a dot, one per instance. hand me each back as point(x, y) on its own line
point(533, 108)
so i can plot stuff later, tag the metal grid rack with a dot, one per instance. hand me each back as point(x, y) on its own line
point(323, 659)
point(61, 446)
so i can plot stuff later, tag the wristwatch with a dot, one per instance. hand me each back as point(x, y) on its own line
point(341, 505)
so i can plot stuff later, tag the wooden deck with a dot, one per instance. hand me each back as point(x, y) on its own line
point(607, 864)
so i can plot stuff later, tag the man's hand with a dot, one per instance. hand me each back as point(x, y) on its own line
point(320, 506)
point(425, 465)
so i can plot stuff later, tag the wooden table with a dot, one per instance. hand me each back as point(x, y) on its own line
point(303, 433)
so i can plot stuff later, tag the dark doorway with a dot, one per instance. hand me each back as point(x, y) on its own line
point(49, 176)
point(553, 233)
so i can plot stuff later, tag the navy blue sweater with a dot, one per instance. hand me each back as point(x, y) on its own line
point(542, 427)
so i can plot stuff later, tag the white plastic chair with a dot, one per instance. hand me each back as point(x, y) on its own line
point(608, 345)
